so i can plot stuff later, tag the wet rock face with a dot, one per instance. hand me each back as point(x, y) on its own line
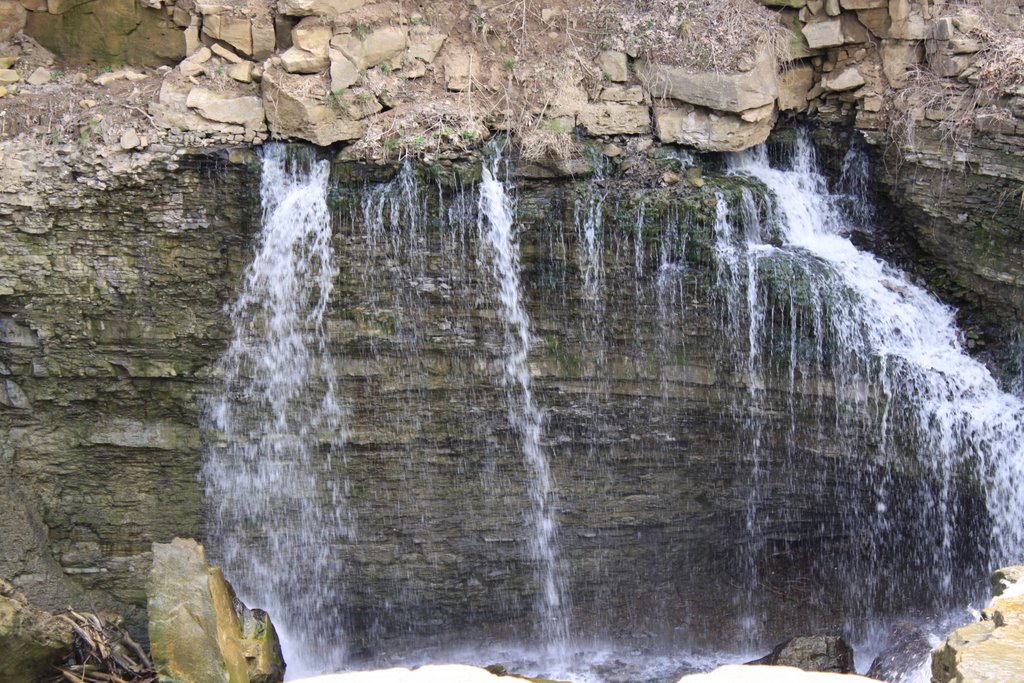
point(112, 291)
point(110, 297)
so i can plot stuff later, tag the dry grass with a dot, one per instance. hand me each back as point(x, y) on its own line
point(547, 142)
point(722, 36)
point(416, 130)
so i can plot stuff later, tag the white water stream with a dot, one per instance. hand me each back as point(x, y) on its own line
point(500, 255)
point(277, 503)
point(884, 322)
point(275, 514)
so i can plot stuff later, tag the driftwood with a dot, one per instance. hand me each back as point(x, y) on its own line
point(103, 652)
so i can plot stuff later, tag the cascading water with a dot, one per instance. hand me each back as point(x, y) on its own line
point(500, 251)
point(731, 384)
point(897, 368)
point(276, 511)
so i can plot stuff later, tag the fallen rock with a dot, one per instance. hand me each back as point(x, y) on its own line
point(241, 72)
point(130, 139)
point(425, 43)
point(225, 53)
point(907, 649)
point(344, 73)
point(794, 84)
point(460, 67)
point(312, 36)
point(295, 60)
point(12, 19)
point(40, 76)
point(198, 630)
point(898, 58)
point(235, 31)
point(709, 130)
point(827, 33)
point(992, 649)
point(8, 76)
point(812, 653)
point(31, 640)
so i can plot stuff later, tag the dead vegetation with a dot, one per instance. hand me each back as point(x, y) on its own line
point(103, 652)
point(955, 106)
point(724, 36)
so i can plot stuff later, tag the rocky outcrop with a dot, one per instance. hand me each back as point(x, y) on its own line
point(199, 631)
point(31, 640)
point(992, 649)
point(812, 653)
point(906, 649)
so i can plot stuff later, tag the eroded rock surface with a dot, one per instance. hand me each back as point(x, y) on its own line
point(992, 649)
point(199, 631)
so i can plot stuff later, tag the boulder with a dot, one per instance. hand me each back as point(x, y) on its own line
point(460, 67)
point(826, 33)
point(812, 653)
point(992, 649)
point(906, 649)
point(794, 84)
point(319, 8)
point(898, 57)
point(344, 73)
point(12, 19)
point(425, 43)
point(295, 60)
point(227, 107)
point(380, 46)
point(907, 20)
point(847, 78)
point(614, 65)
point(198, 629)
point(734, 92)
point(31, 640)
point(312, 36)
point(264, 41)
point(708, 130)
point(235, 31)
point(292, 115)
point(614, 118)
point(876, 20)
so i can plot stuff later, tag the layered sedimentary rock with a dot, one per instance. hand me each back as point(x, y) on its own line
point(112, 295)
point(110, 299)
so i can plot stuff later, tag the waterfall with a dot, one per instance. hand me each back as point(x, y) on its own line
point(501, 254)
point(275, 514)
point(898, 366)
